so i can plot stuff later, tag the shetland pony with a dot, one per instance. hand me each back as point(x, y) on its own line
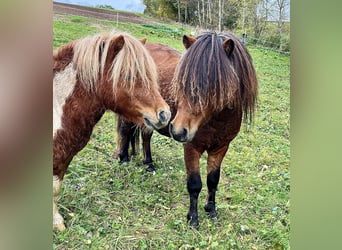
point(166, 59)
point(214, 87)
point(94, 74)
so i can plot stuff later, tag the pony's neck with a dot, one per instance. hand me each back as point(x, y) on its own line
point(84, 110)
point(107, 96)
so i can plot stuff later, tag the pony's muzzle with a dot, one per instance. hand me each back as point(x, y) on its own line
point(163, 118)
point(181, 135)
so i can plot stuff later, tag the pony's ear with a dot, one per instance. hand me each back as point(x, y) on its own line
point(115, 46)
point(143, 40)
point(188, 41)
point(228, 46)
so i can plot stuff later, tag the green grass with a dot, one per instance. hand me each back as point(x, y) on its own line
point(67, 28)
point(112, 206)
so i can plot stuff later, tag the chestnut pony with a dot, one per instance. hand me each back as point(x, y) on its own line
point(214, 87)
point(166, 59)
point(91, 75)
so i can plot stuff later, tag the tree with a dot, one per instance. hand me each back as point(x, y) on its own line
point(233, 13)
point(220, 15)
point(178, 9)
point(281, 7)
point(259, 18)
point(151, 7)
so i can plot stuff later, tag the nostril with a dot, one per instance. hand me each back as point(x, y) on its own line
point(185, 133)
point(180, 135)
point(162, 116)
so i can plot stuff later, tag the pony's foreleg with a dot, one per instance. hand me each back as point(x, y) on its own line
point(194, 183)
point(213, 176)
point(146, 142)
point(58, 221)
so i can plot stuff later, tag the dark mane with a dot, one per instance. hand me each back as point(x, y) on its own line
point(209, 79)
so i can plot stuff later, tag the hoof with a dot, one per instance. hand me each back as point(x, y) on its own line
point(59, 227)
point(123, 159)
point(122, 162)
point(210, 209)
point(150, 168)
point(194, 224)
point(193, 221)
point(58, 222)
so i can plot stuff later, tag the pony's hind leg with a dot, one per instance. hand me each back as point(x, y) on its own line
point(124, 137)
point(213, 176)
point(134, 139)
point(146, 137)
point(58, 221)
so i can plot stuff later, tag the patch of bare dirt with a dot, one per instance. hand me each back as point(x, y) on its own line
point(71, 9)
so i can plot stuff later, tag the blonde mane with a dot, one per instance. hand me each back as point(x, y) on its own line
point(132, 63)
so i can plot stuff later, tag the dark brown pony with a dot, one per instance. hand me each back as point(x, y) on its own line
point(94, 74)
point(213, 89)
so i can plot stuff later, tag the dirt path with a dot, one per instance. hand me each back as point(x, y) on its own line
point(71, 9)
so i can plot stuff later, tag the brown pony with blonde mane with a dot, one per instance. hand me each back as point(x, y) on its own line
point(214, 87)
point(91, 75)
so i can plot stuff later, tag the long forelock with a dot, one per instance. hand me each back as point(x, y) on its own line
point(206, 77)
point(132, 63)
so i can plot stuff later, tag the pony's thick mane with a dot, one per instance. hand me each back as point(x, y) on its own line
point(209, 79)
point(133, 62)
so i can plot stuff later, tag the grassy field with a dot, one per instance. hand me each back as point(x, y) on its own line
point(112, 206)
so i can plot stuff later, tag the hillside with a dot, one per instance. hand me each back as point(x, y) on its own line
point(77, 10)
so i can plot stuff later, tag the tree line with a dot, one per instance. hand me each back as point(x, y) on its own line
point(265, 21)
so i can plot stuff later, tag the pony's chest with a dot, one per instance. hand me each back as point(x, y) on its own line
point(219, 130)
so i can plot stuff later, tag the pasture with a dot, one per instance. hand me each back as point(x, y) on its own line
point(111, 206)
